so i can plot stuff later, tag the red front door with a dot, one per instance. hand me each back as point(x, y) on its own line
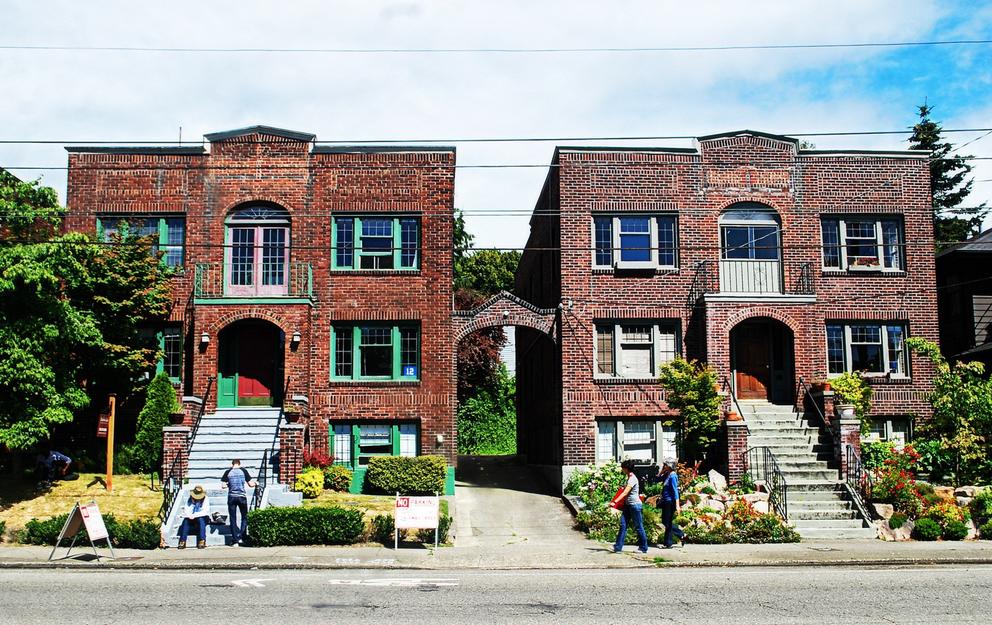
point(752, 360)
point(256, 366)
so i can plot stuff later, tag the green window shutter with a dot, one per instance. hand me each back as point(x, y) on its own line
point(356, 350)
point(394, 437)
point(356, 434)
point(397, 370)
point(397, 243)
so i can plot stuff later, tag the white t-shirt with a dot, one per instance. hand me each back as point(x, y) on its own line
point(634, 496)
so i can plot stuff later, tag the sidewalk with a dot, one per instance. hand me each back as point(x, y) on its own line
point(516, 556)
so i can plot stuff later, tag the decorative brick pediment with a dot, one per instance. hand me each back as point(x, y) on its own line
point(505, 309)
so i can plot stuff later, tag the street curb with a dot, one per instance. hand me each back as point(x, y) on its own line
point(823, 563)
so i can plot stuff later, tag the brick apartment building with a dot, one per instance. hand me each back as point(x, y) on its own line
point(325, 268)
point(768, 261)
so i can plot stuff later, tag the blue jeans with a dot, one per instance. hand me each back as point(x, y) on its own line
point(632, 516)
point(235, 505)
point(201, 528)
point(667, 514)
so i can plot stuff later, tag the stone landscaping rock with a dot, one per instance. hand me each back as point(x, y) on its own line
point(717, 505)
point(887, 533)
point(945, 492)
point(967, 491)
point(884, 511)
point(717, 480)
point(972, 531)
point(755, 498)
point(761, 507)
point(964, 502)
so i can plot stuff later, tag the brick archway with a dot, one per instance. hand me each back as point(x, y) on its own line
point(259, 314)
point(505, 309)
point(760, 311)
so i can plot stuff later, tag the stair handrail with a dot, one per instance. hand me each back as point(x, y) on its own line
point(807, 392)
point(263, 472)
point(858, 481)
point(171, 482)
point(729, 388)
point(761, 465)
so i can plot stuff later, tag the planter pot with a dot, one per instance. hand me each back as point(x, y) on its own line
point(844, 411)
point(177, 418)
point(292, 416)
point(733, 416)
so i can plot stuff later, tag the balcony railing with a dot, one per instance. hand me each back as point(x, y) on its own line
point(214, 280)
point(762, 277)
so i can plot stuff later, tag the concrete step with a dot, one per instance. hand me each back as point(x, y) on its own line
point(241, 452)
point(209, 428)
point(827, 523)
point(234, 437)
point(236, 423)
point(839, 514)
point(818, 505)
point(224, 446)
point(832, 485)
point(838, 534)
point(816, 497)
point(803, 476)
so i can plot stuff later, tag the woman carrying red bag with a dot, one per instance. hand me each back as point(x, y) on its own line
point(628, 499)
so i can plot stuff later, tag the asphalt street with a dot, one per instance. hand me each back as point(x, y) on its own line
point(932, 595)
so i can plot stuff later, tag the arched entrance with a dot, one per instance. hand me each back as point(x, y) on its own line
point(762, 360)
point(250, 364)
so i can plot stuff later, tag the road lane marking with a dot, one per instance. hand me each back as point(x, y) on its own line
point(251, 583)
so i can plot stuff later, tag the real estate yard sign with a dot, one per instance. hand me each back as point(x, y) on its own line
point(416, 513)
point(84, 516)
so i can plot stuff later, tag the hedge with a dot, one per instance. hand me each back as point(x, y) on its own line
point(419, 475)
point(142, 533)
point(304, 526)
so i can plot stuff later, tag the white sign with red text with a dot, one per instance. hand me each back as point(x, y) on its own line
point(417, 512)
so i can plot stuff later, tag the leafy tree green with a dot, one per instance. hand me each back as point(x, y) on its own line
point(691, 388)
point(487, 421)
point(488, 271)
point(160, 401)
point(70, 313)
point(962, 413)
point(949, 183)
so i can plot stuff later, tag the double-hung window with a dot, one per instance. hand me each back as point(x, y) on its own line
point(376, 243)
point(862, 243)
point(878, 349)
point(353, 444)
point(375, 352)
point(634, 349)
point(168, 234)
point(635, 241)
point(642, 440)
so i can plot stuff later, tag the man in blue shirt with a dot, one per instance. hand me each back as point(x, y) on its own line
point(670, 504)
point(53, 465)
point(234, 480)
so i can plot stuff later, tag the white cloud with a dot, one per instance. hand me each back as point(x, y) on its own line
point(103, 95)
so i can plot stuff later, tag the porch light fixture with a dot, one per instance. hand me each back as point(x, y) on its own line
point(296, 338)
point(204, 339)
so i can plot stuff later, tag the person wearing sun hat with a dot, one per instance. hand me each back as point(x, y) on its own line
point(195, 512)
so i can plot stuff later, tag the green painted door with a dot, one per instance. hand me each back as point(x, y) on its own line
point(227, 369)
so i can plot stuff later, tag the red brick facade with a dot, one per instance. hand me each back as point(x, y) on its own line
point(312, 183)
point(698, 185)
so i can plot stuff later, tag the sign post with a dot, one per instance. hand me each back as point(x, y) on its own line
point(416, 513)
point(87, 517)
point(112, 398)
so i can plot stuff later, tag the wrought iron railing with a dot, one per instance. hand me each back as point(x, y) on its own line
point(762, 466)
point(172, 481)
point(263, 472)
point(294, 279)
point(752, 277)
point(858, 480)
point(804, 397)
point(729, 389)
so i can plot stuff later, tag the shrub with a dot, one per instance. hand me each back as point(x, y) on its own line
point(691, 388)
point(337, 478)
point(897, 520)
point(310, 483)
point(382, 528)
point(927, 529)
point(874, 454)
point(981, 507)
point(746, 484)
point(985, 531)
point(955, 530)
point(596, 485)
point(317, 459)
point(851, 388)
point(160, 401)
point(487, 421)
point(946, 513)
point(603, 525)
point(407, 475)
point(142, 533)
point(895, 481)
point(304, 526)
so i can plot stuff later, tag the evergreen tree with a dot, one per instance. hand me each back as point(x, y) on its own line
point(949, 183)
point(160, 402)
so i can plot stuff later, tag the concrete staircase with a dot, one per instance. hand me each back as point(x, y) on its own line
point(818, 502)
point(242, 433)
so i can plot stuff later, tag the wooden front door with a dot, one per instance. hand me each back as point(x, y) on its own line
point(752, 360)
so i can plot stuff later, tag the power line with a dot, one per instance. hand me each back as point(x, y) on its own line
point(371, 142)
point(502, 50)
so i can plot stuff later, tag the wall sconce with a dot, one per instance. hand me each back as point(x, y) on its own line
point(204, 339)
point(439, 439)
point(294, 342)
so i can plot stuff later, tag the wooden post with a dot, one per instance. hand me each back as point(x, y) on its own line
point(112, 398)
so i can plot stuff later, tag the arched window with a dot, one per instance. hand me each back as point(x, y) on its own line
point(750, 249)
point(257, 250)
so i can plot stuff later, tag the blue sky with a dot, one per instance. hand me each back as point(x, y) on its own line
point(145, 96)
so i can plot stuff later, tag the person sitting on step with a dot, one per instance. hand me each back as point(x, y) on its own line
point(195, 512)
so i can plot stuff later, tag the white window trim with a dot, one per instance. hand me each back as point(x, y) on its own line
point(656, 334)
point(884, 328)
point(657, 438)
point(653, 234)
point(879, 245)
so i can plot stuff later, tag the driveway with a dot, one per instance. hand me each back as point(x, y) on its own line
point(502, 503)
